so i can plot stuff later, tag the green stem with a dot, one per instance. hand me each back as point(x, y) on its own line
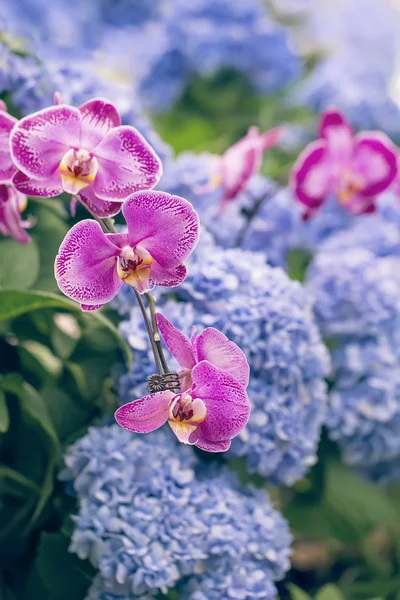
point(149, 332)
point(156, 334)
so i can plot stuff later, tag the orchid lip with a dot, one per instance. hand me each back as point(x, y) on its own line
point(78, 168)
point(185, 408)
point(134, 267)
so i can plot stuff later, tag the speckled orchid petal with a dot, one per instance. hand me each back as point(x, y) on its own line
point(88, 308)
point(310, 178)
point(85, 267)
point(39, 141)
point(145, 415)
point(179, 346)
point(227, 404)
point(208, 446)
point(12, 203)
point(167, 226)
point(98, 117)
point(127, 164)
point(96, 206)
point(376, 161)
point(167, 277)
point(47, 188)
point(214, 346)
point(7, 167)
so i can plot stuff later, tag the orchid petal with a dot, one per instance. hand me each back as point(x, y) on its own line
point(145, 415)
point(127, 164)
point(88, 308)
point(167, 277)
point(208, 446)
point(375, 159)
point(39, 141)
point(11, 223)
point(214, 346)
point(167, 226)
point(98, 117)
point(7, 167)
point(96, 206)
point(47, 188)
point(184, 431)
point(311, 177)
point(85, 267)
point(176, 342)
point(271, 137)
point(228, 407)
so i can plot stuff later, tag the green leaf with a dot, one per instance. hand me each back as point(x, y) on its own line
point(67, 415)
point(330, 592)
point(4, 418)
point(63, 575)
point(14, 303)
point(48, 233)
point(19, 264)
point(296, 593)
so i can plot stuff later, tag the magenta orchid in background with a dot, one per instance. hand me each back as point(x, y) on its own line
point(83, 151)
point(12, 202)
point(234, 169)
point(208, 414)
point(355, 168)
point(210, 345)
point(162, 232)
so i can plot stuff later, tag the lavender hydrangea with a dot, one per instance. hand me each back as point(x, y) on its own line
point(151, 515)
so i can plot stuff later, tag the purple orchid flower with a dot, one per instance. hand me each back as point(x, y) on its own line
point(12, 202)
point(162, 232)
point(355, 168)
point(210, 345)
point(208, 414)
point(83, 151)
point(234, 169)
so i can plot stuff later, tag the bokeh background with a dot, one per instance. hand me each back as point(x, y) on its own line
point(306, 504)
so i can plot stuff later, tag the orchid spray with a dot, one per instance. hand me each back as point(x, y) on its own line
point(108, 167)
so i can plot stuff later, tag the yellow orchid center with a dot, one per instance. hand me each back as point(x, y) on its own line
point(185, 414)
point(77, 170)
point(351, 184)
point(134, 267)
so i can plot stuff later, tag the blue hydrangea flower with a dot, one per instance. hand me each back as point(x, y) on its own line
point(235, 35)
point(98, 591)
point(270, 319)
point(151, 514)
point(355, 280)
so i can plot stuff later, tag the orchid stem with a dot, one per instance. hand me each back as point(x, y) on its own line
point(108, 226)
point(156, 334)
point(149, 332)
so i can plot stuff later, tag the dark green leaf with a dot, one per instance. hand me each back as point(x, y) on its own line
point(14, 303)
point(19, 264)
point(296, 593)
point(330, 592)
point(4, 418)
point(63, 575)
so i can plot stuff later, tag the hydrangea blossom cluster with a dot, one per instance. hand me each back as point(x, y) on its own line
point(356, 285)
point(132, 492)
point(359, 62)
point(269, 317)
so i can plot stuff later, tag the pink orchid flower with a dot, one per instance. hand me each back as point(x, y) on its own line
point(83, 151)
point(208, 414)
point(210, 345)
point(12, 202)
point(355, 168)
point(162, 231)
point(234, 169)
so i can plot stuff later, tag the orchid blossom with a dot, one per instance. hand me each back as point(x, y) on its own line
point(12, 202)
point(234, 169)
point(162, 231)
point(208, 414)
point(355, 168)
point(210, 345)
point(82, 151)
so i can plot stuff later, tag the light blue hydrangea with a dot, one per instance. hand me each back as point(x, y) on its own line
point(270, 319)
point(235, 35)
point(98, 591)
point(355, 280)
point(152, 514)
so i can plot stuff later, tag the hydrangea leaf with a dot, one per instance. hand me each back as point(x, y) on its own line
point(19, 264)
